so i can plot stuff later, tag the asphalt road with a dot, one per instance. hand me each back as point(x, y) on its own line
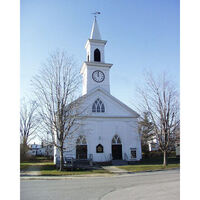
point(161, 185)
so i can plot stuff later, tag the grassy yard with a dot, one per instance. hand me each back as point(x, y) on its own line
point(150, 164)
point(47, 168)
point(76, 172)
point(25, 166)
point(147, 167)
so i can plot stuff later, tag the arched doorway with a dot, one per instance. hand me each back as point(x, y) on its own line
point(81, 148)
point(116, 148)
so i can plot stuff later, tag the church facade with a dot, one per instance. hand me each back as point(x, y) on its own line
point(110, 130)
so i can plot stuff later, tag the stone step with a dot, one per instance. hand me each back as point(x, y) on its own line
point(119, 162)
point(82, 162)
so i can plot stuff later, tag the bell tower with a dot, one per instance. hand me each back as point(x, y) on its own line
point(94, 70)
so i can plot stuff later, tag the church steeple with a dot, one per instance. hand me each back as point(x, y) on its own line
point(95, 45)
point(95, 70)
point(95, 34)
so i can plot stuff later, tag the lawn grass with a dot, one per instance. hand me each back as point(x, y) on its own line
point(46, 167)
point(148, 167)
point(27, 165)
point(49, 169)
point(77, 172)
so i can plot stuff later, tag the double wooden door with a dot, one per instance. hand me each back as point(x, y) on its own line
point(81, 151)
point(117, 152)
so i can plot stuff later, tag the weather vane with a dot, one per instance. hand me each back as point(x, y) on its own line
point(96, 13)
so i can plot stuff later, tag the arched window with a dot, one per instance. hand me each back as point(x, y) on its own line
point(97, 55)
point(98, 106)
point(81, 140)
point(88, 58)
point(116, 140)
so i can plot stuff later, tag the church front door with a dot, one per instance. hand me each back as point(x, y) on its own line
point(81, 152)
point(117, 152)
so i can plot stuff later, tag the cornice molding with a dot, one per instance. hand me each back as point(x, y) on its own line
point(95, 64)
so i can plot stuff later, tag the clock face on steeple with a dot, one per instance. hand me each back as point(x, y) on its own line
point(98, 76)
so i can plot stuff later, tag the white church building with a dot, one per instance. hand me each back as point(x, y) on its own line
point(110, 131)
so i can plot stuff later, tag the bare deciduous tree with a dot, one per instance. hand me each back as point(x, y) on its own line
point(28, 125)
point(56, 88)
point(161, 100)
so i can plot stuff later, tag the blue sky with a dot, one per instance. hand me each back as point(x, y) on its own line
point(142, 35)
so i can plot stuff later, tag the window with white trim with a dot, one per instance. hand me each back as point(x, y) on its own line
point(133, 153)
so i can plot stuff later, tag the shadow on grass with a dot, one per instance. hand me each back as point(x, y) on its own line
point(38, 159)
point(51, 167)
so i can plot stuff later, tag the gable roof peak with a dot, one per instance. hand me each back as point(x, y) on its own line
point(99, 89)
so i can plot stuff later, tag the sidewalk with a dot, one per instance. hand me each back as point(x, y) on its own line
point(31, 171)
point(115, 170)
point(112, 169)
point(41, 177)
point(36, 177)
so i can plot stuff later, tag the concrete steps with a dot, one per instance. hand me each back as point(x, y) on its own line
point(119, 162)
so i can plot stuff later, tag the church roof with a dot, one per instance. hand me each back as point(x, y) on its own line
point(95, 34)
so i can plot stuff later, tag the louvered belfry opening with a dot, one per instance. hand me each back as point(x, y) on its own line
point(97, 55)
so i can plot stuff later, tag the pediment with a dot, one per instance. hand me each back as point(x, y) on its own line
point(113, 106)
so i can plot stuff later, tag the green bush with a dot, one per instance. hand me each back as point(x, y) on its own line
point(152, 154)
point(157, 154)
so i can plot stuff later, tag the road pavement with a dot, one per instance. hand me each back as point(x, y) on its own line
point(160, 185)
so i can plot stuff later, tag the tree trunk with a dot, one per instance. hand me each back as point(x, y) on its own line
point(61, 159)
point(164, 158)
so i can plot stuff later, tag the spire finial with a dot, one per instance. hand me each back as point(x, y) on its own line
point(95, 34)
point(95, 14)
